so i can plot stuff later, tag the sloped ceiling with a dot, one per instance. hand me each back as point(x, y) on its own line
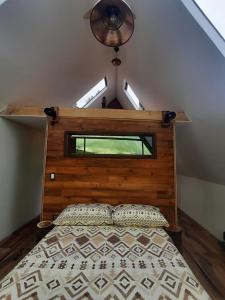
point(49, 56)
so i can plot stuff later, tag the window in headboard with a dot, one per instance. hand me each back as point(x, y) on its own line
point(139, 146)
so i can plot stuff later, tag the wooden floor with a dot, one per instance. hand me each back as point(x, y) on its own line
point(201, 250)
point(205, 256)
point(14, 248)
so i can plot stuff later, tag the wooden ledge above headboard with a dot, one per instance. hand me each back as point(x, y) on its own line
point(34, 111)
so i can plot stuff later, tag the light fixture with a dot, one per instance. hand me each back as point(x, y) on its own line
point(167, 118)
point(112, 22)
point(52, 112)
point(116, 61)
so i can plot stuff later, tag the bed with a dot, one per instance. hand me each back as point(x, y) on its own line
point(103, 262)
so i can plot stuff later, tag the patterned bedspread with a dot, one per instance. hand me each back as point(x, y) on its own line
point(103, 263)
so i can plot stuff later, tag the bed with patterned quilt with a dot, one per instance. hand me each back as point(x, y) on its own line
point(103, 262)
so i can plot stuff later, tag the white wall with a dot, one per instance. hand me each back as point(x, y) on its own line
point(204, 202)
point(21, 167)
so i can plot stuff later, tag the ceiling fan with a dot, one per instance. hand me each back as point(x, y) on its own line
point(112, 22)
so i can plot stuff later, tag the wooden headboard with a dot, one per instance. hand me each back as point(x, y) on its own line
point(107, 180)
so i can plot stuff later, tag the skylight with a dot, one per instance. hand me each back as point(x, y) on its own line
point(132, 97)
point(92, 95)
point(214, 11)
point(2, 1)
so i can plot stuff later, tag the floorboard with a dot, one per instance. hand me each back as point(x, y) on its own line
point(205, 256)
point(15, 247)
point(201, 250)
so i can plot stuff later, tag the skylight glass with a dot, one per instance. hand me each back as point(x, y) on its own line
point(132, 97)
point(92, 95)
point(2, 1)
point(214, 10)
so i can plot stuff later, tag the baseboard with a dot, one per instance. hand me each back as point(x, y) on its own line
point(198, 225)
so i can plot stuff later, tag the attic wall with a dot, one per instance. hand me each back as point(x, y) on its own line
point(109, 180)
point(204, 202)
point(21, 168)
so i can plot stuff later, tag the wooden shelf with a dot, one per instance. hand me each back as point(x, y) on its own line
point(13, 110)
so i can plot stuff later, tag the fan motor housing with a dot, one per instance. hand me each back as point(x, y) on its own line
point(112, 22)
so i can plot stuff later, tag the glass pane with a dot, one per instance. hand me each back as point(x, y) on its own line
point(79, 144)
point(93, 93)
point(147, 151)
point(111, 145)
point(132, 96)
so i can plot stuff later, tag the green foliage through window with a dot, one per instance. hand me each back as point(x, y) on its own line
point(89, 145)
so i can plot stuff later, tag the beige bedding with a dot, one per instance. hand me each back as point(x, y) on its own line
point(103, 262)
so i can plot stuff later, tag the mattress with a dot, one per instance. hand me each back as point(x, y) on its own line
point(103, 262)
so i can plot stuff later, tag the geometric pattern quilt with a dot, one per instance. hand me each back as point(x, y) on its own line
point(103, 263)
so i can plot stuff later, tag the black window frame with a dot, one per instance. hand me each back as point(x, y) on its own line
point(68, 152)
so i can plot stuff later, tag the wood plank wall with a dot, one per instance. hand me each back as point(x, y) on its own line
point(109, 180)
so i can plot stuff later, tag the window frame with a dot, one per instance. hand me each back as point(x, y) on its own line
point(90, 101)
point(67, 151)
point(126, 86)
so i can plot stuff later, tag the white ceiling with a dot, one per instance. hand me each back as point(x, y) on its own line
point(49, 56)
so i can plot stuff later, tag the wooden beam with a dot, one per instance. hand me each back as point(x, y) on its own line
point(34, 111)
